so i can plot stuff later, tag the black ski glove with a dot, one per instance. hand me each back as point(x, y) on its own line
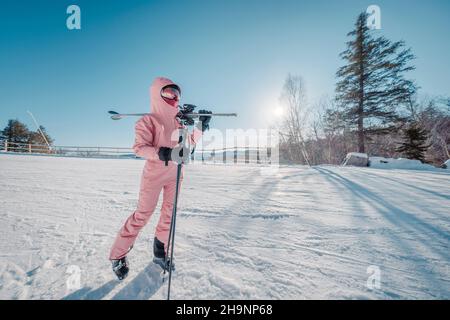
point(185, 109)
point(204, 120)
point(165, 154)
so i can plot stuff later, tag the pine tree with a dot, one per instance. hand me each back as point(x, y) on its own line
point(18, 134)
point(414, 142)
point(16, 131)
point(371, 86)
point(36, 137)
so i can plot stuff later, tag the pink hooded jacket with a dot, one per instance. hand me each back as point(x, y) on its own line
point(160, 128)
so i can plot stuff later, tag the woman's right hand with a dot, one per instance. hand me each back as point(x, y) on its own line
point(165, 154)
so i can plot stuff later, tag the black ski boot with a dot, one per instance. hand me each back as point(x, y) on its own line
point(120, 267)
point(159, 256)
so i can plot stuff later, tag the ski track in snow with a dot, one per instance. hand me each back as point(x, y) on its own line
point(299, 233)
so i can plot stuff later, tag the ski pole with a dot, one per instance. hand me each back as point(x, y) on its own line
point(171, 241)
point(171, 225)
point(117, 116)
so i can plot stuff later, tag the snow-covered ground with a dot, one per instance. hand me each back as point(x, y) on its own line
point(300, 233)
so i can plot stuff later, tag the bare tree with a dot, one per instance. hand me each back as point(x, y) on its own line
point(293, 131)
point(434, 116)
point(321, 144)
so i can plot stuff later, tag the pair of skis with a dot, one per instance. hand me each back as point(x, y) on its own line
point(117, 116)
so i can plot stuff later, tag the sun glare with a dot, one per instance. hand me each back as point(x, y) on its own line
point(278, 111)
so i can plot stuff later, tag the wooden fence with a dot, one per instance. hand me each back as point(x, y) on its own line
point(256, 155)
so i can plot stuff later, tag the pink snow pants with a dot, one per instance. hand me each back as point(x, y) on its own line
point(155, 177)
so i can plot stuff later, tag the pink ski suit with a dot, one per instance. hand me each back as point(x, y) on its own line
point(159, 129)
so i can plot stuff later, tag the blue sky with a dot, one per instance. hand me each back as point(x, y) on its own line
point(229, 56)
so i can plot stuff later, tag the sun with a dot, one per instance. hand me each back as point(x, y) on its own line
point(278, 112)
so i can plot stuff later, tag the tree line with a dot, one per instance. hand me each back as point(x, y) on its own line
point(376, 109)
point(16, 132)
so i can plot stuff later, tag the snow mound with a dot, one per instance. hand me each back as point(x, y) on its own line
point(400, 163)
point(446, 164)
point(356, 159)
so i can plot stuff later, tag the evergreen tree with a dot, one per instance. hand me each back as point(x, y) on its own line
point(2, 136)
point(371, 86)
point(36, 137)
point(16, 131)
point(414, 142)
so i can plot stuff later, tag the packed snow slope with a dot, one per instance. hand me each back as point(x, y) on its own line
point(298, 233)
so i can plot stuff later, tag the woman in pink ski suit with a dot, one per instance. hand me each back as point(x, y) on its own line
point(155, 134)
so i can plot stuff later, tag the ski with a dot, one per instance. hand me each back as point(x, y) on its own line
point(117, 116)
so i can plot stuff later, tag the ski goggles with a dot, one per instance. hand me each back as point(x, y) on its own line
point(171, 92)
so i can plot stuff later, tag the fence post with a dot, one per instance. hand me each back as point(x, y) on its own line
point(6, 145)
point(247, 154)
point(29, 148)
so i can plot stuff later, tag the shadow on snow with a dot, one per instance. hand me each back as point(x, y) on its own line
point(142, 287)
